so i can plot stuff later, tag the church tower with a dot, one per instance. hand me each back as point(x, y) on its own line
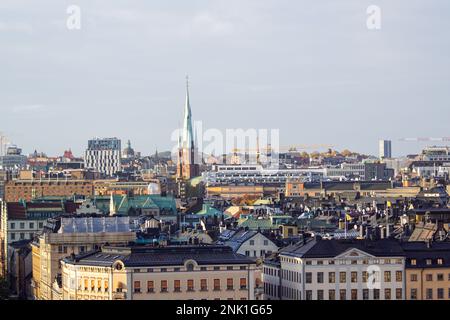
point(187, 168)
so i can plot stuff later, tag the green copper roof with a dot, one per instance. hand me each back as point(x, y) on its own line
point(209, 211)
point(123, 203)
point(255, 224)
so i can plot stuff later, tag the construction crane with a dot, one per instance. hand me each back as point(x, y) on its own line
point(290, 148)
point(425, 139)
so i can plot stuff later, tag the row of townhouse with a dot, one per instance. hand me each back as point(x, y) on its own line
point(358, 270)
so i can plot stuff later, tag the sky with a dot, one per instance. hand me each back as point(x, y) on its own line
point(311, 69)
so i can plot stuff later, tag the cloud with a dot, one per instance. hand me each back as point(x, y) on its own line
point(28, 108)
point(15, 27)
point(209, 24)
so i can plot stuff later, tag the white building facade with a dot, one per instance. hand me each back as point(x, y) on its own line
point(353, 274)
point(104, 155)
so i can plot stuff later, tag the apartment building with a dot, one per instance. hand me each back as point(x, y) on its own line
point(427, 270)
point(158, 273)
point(28, 189)
point(336, 270)
point(23, 220)
point(248, 242)
point(72, 235)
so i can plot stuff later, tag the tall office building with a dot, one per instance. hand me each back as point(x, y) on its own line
point(186, 166)
point(385, 149)
point(104, 155)
point(14, 159)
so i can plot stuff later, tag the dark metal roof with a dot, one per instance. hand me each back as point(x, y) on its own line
point(161, 256)
point(331, 248)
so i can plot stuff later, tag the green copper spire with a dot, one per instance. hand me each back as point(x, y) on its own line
point(188, 137)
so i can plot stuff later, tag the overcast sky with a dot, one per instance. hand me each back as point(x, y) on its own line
point(309, 68)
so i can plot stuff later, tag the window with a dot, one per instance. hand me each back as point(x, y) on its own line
point(203, 285)
point(429, 262)
point(137, 287)
point(229, 267)
point(308, 294)
point(354, 294)
point(440, 277)
point(354, 277)
point(387, 276)
point(365, 294)
point(413, 262)
point(216, 284)
point(243, 283)
point(308, 278)
point(22, 236)
point(22, 225)
point(398, 294)
point(376, 294)
point(319, 294)
point(320, 262)
point(414, 278)
point(319, 277)
point(150, 287)
point(429, 294)
point(41, 225)
point(387, 294)
point(440, 261)
point(106, 285)
point(252, 242)
point(413, 294)
point(190, 267)
point(163, 285)
point(266, 242)
point(429, 277)
point(230, 284)
point(342, 294)
point(216, 268)
point(247, 253)
point(190, 285)
point(31, 225)
point(177, 285)
point(342, 277)
point(13, 236)
point(331, 277)
point(365, 276)
point(13, 225)
point(398, 276)
point(331, 294)
point(440, 293)
point(203, 268)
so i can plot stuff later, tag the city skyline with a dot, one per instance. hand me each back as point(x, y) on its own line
point(321, 80)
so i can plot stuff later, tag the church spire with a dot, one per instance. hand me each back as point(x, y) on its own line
point(188, 137)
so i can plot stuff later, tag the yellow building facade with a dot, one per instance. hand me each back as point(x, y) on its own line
point(148, 273)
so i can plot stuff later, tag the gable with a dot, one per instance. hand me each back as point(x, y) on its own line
point(354, 253)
